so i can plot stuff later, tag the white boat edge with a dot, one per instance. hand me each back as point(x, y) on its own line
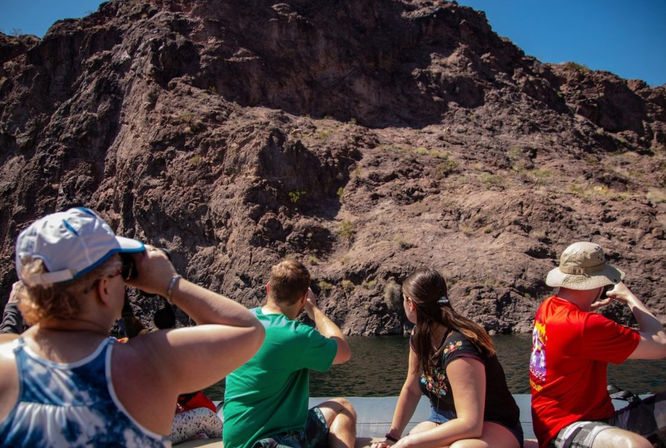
point(374, 416)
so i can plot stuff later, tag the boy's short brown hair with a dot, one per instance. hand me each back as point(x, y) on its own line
point(289, 281)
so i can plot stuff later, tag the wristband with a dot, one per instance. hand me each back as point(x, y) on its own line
point(388, 436)
point(172, 283)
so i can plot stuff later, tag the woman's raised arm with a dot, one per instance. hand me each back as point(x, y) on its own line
point(166, 363)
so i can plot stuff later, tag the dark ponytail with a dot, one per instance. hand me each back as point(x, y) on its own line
point(427, 290)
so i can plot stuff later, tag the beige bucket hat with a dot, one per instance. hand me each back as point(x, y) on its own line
point(583, 266)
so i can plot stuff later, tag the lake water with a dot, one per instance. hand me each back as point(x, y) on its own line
point(379, 364)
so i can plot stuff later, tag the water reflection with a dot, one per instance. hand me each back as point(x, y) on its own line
point(379, 365)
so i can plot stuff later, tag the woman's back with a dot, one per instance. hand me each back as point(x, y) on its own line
point(70, 404)
point(500, 405)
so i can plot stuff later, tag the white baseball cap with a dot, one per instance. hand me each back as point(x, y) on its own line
point(70, 243)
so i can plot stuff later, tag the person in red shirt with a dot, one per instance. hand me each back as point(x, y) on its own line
point(572, 346)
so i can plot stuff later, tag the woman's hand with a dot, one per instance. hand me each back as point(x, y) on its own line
point(383, 444)
point(154, 271)
point(404, 442)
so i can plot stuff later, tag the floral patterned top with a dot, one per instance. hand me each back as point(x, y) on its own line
point(71, 405)
point(500, 406)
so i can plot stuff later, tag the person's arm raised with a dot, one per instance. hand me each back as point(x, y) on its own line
point(12, 319)
point(653, 338)
point(327, 328)
point(227, 334)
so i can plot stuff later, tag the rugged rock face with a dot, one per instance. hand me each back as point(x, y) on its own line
point(365, 138)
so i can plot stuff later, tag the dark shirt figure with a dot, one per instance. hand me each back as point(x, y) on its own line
point(12, 319)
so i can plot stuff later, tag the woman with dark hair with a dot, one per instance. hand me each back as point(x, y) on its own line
point(452, 361)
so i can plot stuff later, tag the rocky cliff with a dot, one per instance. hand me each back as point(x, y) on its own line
point(365, 138)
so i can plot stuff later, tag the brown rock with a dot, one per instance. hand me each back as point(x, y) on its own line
point(366, 138)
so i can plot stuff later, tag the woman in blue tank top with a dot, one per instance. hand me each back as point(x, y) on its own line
point(64, 382)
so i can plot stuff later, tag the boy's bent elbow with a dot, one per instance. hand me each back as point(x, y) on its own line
point(651, 346)
point(344, 352)
point(660, 338)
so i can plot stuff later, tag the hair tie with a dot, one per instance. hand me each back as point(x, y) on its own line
point(443, 300)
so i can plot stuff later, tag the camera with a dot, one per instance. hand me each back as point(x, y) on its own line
point(128, 269)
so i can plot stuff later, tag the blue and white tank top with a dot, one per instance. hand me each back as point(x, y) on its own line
point(71, 405)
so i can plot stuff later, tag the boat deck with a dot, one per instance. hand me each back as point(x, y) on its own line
point(374, 416)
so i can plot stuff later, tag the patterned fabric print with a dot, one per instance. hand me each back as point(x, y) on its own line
point(70, 405)
point(538, 356)
point(452, 347)
point(195, 423)
point(435, 384)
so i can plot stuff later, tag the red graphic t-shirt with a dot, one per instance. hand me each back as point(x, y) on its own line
point(571, 350)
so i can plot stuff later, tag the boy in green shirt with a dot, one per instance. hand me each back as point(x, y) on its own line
point(266, 399)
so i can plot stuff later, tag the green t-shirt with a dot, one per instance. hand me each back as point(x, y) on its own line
point(269, 393)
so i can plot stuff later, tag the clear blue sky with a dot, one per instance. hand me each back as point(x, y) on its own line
point(626, 38)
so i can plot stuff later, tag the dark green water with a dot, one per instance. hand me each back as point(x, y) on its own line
point(379, 365)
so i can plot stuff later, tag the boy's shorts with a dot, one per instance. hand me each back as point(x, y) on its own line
point(314, 435)
point(578, 434)
point(647, 419)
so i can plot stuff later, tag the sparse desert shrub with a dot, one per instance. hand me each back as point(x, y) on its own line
point(196, 160)
point(369, 284)
point(589, 192)
point(391, 147)
point(656, 196)
point(296, 195)
point(446, 166)
point(191, 124)
point(515, 152)
point(492, 181)
point(324, 285)
point(539, 176)
point(392, 295)
point(346, 230)
point(323, 134)
point(576, 67)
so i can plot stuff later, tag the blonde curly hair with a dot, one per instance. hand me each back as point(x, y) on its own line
point(57, 300)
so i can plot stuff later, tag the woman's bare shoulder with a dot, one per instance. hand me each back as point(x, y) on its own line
point(6, 338)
